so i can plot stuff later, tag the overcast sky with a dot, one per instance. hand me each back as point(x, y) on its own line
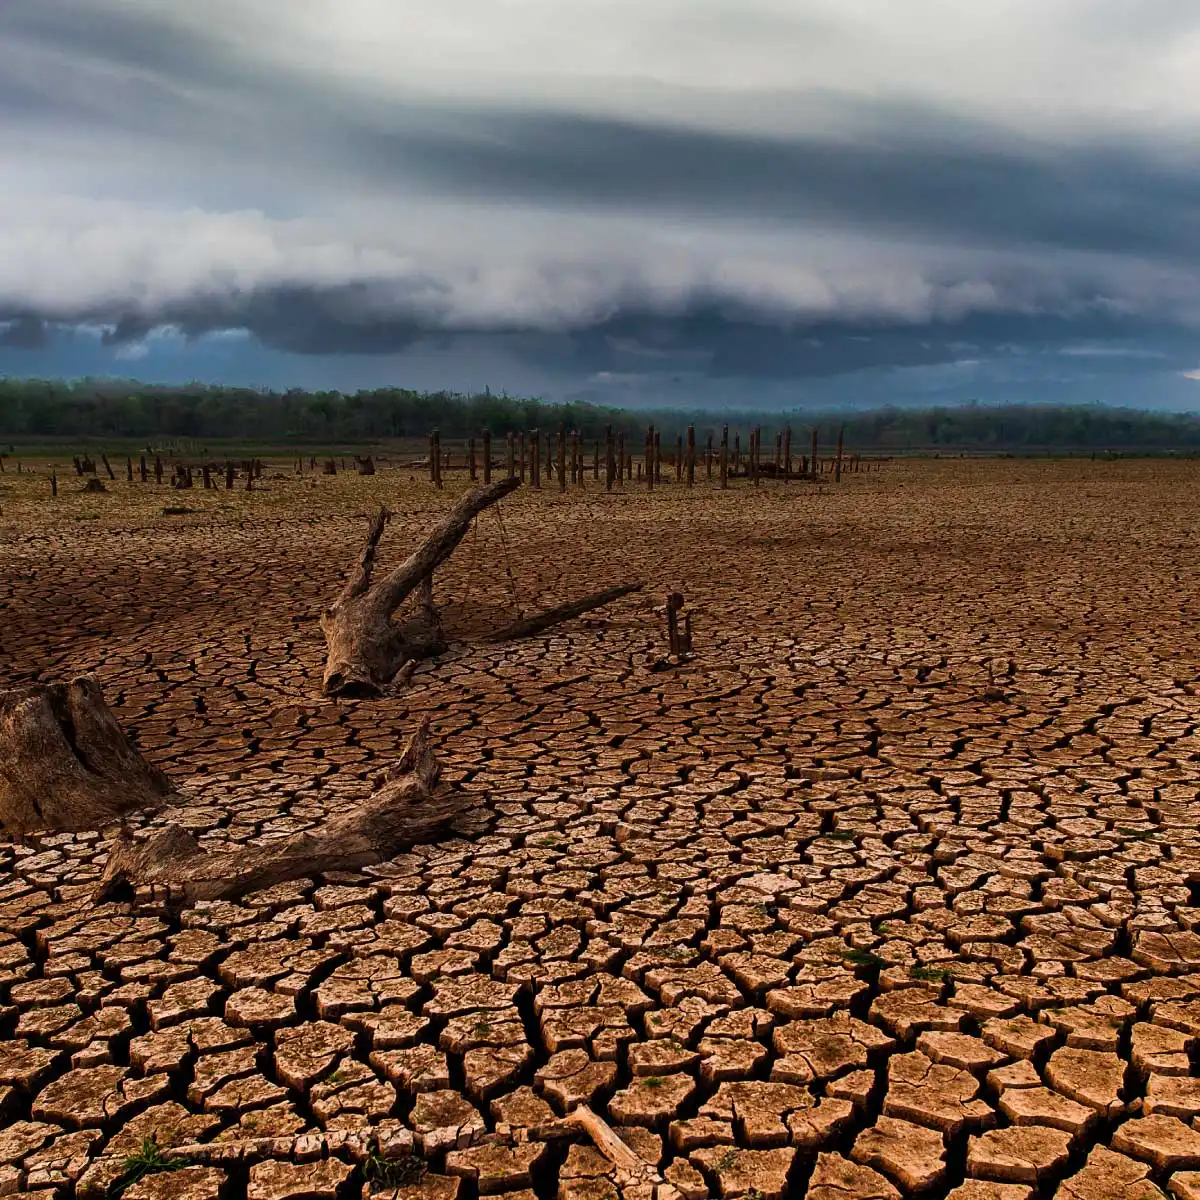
point(792, 202)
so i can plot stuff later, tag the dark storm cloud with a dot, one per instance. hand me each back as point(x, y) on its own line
point(818, 234)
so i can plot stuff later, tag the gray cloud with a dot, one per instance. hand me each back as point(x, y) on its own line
point(707, 216)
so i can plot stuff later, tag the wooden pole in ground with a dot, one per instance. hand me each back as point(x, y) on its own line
point(128, 469)
point(657, 456)
point(142, 467)
point(649, 458)
point(521, 461)
point(708, 457)
point(787, 454)
point(229, 475)
point(737, 453)
point(561, 461)
point(725, 456)
point(53, 484)
point(576, 464)
point(434, 459)
point(778, 455)
point(104, 460)
point(837, 462)
point(691, 456)
point(512, 455)
point(596, 460)
point(535, 461)
point(487, 457)
point(610, 463)
point(207, 477)
point(621, 460)
point(471, 460)
point(756, 454)
point(813, 463)
point(157, 469)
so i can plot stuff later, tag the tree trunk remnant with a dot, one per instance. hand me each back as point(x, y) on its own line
point(403, 811)
point(65, 762)
point(365, 647)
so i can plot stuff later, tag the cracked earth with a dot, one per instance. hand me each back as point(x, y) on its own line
point(891, 891)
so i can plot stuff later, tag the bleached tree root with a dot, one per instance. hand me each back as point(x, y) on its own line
point(65, 762)
point(171, 867)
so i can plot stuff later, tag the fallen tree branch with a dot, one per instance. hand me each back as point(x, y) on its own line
point(402, 812)
point(564, 612)
point(65, 762)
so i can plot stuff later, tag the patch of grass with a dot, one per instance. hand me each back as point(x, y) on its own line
point(928, 973)
point(840, 835)
point(654, 1081)
point(727, 1159)
point(148, 1160)
point(381, 1173)
point(482, 1027)
point(864, 958)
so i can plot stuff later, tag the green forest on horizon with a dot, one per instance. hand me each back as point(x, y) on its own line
point(92, 410)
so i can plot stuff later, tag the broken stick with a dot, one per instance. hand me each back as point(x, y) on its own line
point(564, 612)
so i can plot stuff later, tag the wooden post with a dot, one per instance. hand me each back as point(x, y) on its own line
point(142, 468)
point(778, 455)
point(596, 459)
point(249, 476)
point(708, 457)
point(657, 456)
point(204, 471)
point(649, 458)
point(757, 453)
point(621, 459)
point(576, 460)
point(535, 459)
point(487, 457)
point(128, 469)
point(524, 451)
point(610, 464)
point(725, 456)
point(471, 460)
point(157, 469)
point(435, 458)
point(53, 484)
point(560, 458)
point(837, 462)
point(229, 475)
point(107, 467)
point(787, 454)
point(512, 455)
point(813, 463)
point(691, 456)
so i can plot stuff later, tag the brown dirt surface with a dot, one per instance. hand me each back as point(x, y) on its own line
point(892, 888)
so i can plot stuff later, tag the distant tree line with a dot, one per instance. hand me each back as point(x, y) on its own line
point(97, 409)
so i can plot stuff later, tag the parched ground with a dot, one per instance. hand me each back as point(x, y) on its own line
point(892, 890)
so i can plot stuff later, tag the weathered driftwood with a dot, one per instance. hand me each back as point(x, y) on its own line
point(528, 626)
point(366, 648)
point(65, 762)
point(404, 811)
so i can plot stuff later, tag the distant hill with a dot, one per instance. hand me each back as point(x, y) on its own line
point(96, 409)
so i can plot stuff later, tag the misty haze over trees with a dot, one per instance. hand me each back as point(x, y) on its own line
point(57, 410)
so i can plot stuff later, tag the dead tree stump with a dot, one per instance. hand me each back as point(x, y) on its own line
point(365, 647)
point(65, 763)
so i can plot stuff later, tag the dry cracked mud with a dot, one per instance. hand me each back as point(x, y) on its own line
point(892, 890)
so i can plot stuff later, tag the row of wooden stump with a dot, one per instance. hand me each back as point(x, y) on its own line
point(565, 458)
